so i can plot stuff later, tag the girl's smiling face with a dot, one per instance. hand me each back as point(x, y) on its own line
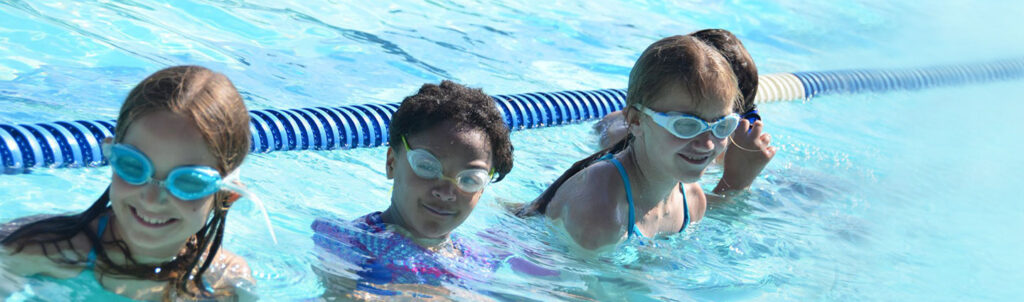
point(683, 159)
point(433, 208)
point(154, 223)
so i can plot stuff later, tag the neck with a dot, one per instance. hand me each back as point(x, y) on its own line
point(397, 224)
point(651, 186)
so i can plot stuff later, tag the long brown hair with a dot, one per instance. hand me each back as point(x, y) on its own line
point(689, 61)
point(211, 101)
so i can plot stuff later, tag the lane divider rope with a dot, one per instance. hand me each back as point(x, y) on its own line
point(65, 144)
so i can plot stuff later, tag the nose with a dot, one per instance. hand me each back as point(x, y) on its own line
point(445, 191)
point(154, 192)
point(704, 141)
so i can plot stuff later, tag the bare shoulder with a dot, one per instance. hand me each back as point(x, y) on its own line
point(696, 201)
point(229, 271)
point(590, 206)
point(36, 259)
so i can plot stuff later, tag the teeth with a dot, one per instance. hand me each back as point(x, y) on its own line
point(151, 220)
point(694, 159)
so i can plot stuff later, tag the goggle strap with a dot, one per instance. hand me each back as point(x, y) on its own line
point(235, 175)
point(229, 183)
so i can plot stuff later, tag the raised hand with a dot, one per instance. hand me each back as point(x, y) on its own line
point(748, 153)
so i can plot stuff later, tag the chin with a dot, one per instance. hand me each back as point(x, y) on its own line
point(690, 177)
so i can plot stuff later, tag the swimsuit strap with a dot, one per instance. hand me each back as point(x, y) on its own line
point(102, 225)
point(686, 208)
point(629, 196)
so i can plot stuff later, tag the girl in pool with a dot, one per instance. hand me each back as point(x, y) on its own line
point(156, 231)
point(751, 150)
point(447, 143)
point(680, 109)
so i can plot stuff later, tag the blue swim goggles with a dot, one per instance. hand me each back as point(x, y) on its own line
point(427, 166)
point(687, 126)
point(185, 182)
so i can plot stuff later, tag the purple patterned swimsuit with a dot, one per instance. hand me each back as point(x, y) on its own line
point(388, 257)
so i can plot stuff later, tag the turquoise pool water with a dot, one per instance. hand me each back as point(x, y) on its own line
point(898, 196)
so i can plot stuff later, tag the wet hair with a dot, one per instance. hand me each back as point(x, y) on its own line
point(701, 70)
point(210, 101)
point(468, 108)
point(739, 59)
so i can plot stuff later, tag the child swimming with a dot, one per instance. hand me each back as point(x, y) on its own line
point(155, 233)
point(751, 148)
point(680, 110)
point(447, 143)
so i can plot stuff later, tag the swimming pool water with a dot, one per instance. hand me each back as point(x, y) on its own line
point(898, 196)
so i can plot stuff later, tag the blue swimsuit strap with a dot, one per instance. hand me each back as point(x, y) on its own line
point(629, 195)
point(102, 225)
point(632, 229)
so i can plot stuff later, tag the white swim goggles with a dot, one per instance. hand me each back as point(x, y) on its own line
point(427, 166)
point(687, 126)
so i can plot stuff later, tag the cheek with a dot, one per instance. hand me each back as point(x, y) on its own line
point(409, 185)
point(659, 137)
point(471, 201)
point(197, 210)
point(119, 190)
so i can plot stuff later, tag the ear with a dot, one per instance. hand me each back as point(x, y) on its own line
point(232, 198)
point(390, 163)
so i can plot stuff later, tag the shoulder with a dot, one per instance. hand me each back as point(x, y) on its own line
point(229, 272)
point(13, 225)
point(599, 178)
point(596, 188)
point(35, 259)
point(591, 207)
point(696, 201)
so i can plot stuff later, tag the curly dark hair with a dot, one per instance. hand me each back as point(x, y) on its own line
point(466, 107)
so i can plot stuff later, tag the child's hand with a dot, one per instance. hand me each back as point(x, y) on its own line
point(747, 154)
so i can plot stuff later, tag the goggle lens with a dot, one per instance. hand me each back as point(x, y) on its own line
point(130, 165)
point(725, 126)
point(426, 166)
point(472, 180)
point(185, 183)
point(687, 126)
point(190, 183)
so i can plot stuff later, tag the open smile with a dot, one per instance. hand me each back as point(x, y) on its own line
point(695, 159)
point(151, 221)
